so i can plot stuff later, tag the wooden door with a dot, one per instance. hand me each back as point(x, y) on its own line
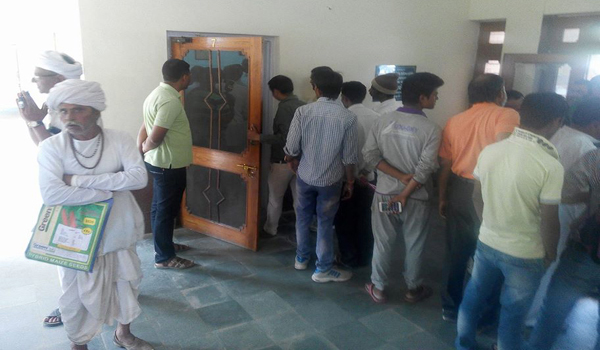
point(222, 103)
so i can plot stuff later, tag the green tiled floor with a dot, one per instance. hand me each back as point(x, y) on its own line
point(239, 299)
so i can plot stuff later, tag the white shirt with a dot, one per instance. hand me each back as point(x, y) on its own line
point(387, 106)
point(121, 169)
point(571, 145)
point(365, 118)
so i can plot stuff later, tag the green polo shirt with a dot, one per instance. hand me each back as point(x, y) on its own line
point(517, 175)
point(163, 108)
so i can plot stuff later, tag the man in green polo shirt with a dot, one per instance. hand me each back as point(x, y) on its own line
point(165, 140)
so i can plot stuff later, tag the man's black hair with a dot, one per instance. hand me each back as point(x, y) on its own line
point(419, 84)
point(355, 91)
point(540, 109)
point(173, 69)
point(514, 95)
point(329, 82)
point(281, 83)
point(587, 112)
point(319, 69)
point(485, 88)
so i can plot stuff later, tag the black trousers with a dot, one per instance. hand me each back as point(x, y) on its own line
point(462, 232)
point(353, 227)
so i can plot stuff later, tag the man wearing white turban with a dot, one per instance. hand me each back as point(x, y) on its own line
point(83, 165)
point(51, 68)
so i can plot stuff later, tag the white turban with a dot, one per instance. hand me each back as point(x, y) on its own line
point(77, 92)
point(54, 62)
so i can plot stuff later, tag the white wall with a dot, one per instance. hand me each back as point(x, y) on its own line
point(524, 18)
point(124, 42)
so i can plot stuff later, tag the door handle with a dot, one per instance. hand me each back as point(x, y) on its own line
point(250, 170)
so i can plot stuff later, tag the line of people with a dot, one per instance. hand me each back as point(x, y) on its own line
point(500, 185)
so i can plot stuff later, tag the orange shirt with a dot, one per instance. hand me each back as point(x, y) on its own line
point(466, 134)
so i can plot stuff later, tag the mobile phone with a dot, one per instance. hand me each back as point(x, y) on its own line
point(384, 207)
point(21, 101)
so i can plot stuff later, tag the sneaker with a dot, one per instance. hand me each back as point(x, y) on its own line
point(332, 275)
point(300, 263)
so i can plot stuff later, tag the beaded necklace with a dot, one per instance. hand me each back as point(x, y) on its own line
point(99, 144)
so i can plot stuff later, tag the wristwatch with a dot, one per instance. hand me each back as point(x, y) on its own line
point(34, 124)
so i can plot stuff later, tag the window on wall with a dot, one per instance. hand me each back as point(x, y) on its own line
point(571, 35)
point(489, 48)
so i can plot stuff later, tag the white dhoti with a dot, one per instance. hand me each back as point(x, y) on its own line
point(108, 293)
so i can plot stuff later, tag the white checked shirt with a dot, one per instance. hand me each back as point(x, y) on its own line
point(324, 135)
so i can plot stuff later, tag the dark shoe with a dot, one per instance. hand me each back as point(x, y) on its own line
point(418, 294)
point(449, 315)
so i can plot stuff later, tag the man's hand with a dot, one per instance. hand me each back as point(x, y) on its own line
point(253, 135)
point(146, 147)
point(402, 199)
point(443, 207)
point(348, 190)
point(30, 111)
point(405, 179)
point(67, 179)
point(292, 162)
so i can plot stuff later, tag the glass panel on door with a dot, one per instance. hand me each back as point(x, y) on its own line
point(216, 102)
point(220, 196)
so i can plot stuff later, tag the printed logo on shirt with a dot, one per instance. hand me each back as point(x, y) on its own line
point(400, 129)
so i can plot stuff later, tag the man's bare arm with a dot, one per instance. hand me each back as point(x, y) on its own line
point(393, 172)
point(156, 137)
point(550, 230)
point(349, 184)
point(142, 136)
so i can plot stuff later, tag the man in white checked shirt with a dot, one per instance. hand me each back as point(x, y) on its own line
point(323, 142)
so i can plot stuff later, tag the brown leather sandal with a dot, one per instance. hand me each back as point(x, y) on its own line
point(176, 263)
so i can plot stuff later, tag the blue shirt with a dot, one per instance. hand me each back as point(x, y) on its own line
point(324, 135)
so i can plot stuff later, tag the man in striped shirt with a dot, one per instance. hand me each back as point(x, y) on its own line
point(322, 141)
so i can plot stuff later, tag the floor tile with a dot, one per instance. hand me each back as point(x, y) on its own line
point(323, 314)
point(352, 336)
point(225, 314)
point(285, 326)
point(309, 342)
point(245, 336)
point(245, 286)
point(388, 325)
point(228, 270)
point(263, 304)
point(419, 341)
point(205, 296)
point(190, 278)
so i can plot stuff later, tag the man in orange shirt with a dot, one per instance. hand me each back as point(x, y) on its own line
point(463, 138)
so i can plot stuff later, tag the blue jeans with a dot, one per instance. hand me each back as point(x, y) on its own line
point(576, 277)
point(168, 186)
point(521, 280)
point(324, 201)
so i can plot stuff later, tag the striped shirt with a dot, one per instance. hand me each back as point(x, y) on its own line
point(324, 135)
